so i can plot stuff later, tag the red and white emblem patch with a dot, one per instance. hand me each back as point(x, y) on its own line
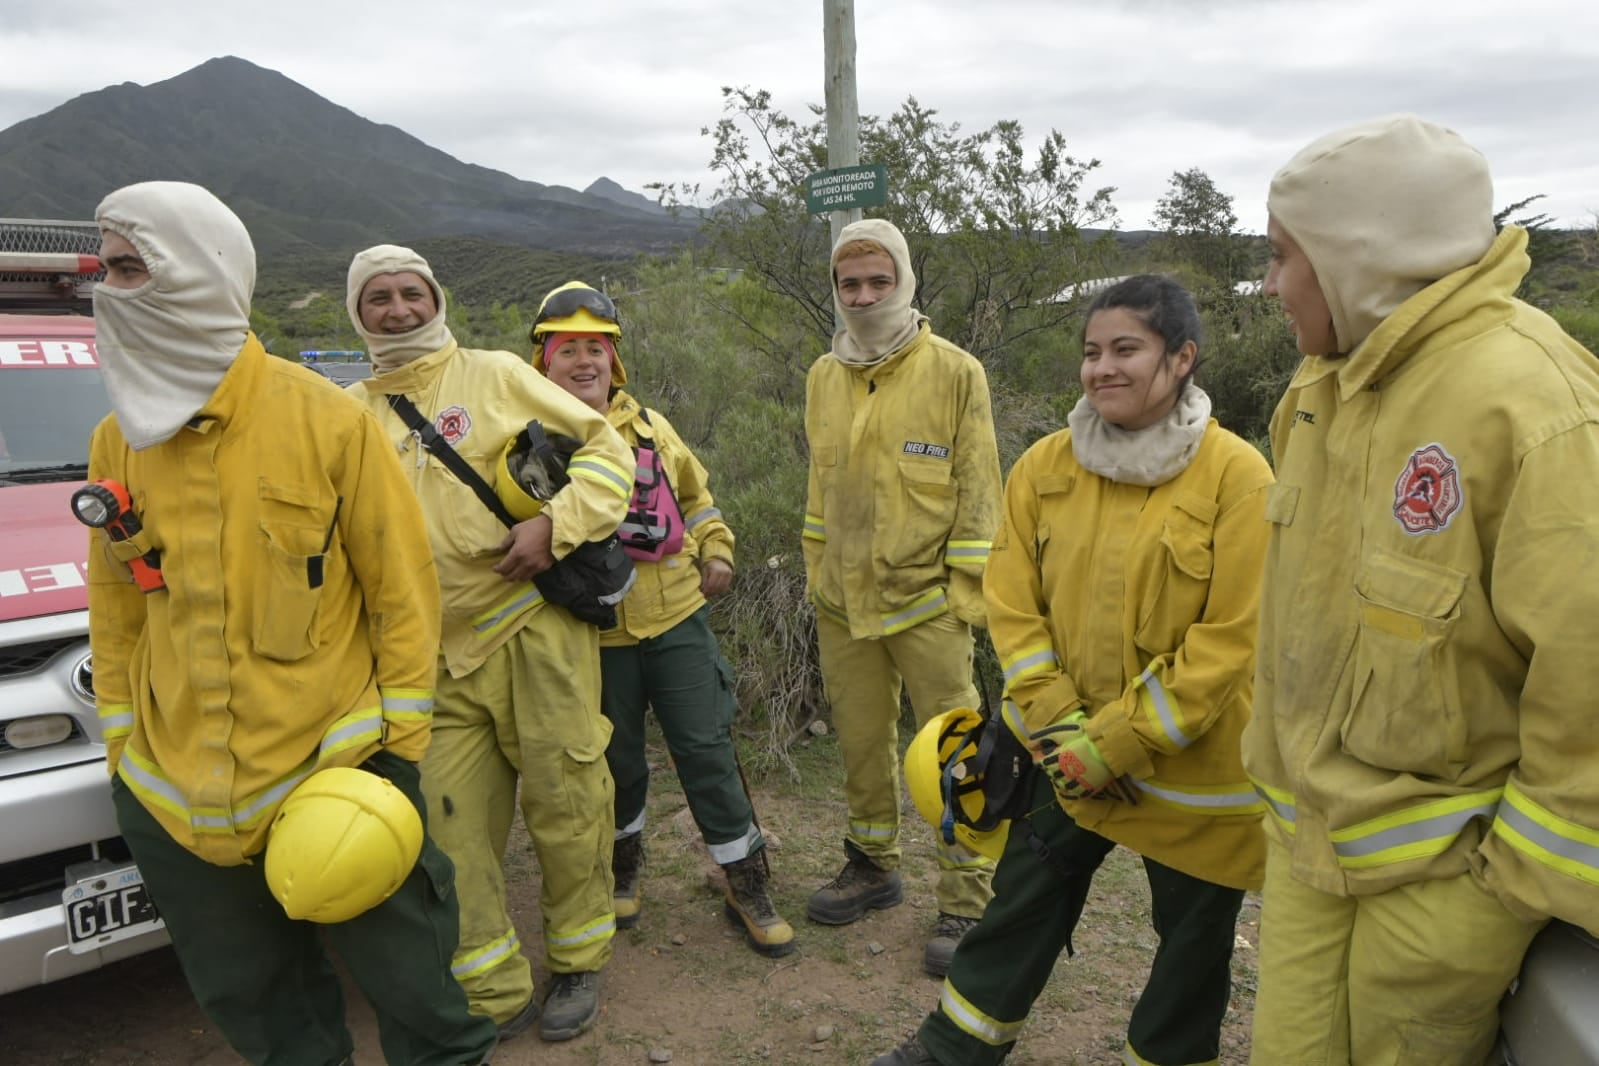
point(453, 424)
point(1427, 494)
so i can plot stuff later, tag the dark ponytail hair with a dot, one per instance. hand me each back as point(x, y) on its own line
point(1162, 305)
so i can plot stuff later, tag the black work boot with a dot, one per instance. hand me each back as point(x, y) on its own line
point(520, 1022)
point(947, 933)
point(861, 886)
point(572, 1005)
point(749, 904)
point(627, 862)
point(910, 1053)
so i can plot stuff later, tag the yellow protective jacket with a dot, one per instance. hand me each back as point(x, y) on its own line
point(1430, 616)
point(904, 487)
point(668, 591)
point(1139, 605)
point(479, 400)
point(222, 692)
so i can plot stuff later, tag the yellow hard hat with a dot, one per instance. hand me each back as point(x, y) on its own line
point(577, 307)
point(532, 469)
point(343, 842)
point(946, 785)
point(522, 504)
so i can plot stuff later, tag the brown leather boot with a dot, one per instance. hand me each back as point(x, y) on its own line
point(749, 904)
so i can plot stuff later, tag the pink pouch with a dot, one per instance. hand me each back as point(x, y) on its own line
point(653, 528)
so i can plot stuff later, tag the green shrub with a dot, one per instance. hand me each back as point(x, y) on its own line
point(1581, 322)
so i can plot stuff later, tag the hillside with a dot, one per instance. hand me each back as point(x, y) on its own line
point(303, 172)
point(477, 271)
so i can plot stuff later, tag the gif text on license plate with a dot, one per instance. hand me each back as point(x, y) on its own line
point(109, 907)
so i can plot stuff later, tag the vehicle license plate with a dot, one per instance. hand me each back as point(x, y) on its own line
point(110, 907)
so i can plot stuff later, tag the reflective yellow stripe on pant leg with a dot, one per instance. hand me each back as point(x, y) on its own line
point(974, 1022)
point(481, 960)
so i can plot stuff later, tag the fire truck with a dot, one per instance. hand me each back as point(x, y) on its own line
point(71, 899)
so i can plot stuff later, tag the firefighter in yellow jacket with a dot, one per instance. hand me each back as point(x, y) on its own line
point(902, 505)
point(662, 655)
point(1122, 593)
point(519, 685)
point(1429, 622)
point(294, 629)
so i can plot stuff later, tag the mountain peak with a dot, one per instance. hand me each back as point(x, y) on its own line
point(302, 171)
point(607, 189)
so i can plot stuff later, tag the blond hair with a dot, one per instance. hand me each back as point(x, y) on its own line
point(856, 248)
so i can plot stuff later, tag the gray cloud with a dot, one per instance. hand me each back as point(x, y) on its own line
point(562, 95)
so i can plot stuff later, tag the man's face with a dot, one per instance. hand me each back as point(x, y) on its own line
point(865, 279)
point(397, 303)
point(124, 267)
point(1293, 281)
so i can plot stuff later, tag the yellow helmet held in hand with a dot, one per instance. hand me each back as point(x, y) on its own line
point(946, 782)
point(343, 842)
point(511, 490)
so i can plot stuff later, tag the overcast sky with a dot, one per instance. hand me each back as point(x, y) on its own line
point(563, 93)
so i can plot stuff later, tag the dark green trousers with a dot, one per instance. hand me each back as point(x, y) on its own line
point(265, 981)
point(1004, 962)
point(682, 675)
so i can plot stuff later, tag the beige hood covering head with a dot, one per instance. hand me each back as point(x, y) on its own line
point(389, 351)
point(165, 346)
point(872, 334)
point(1382, 210)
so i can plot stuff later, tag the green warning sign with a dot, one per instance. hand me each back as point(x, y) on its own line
point(846, 188)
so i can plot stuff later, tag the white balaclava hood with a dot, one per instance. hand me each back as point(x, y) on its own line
point(872, 334)
point(1382, 210)
point(165, 346)
point(390, 351)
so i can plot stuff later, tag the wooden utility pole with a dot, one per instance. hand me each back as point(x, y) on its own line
point(843, 109)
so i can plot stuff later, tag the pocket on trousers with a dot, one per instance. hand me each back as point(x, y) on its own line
point(1429, 1042)
point(1405, 714)
point(589, 789)
point(438, 869)
point(727, 706)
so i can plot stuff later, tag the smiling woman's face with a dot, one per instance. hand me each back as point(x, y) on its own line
point(582, 366)
point(1126, 373)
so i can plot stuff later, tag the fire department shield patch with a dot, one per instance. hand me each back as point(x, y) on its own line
point(453, 424)
point(1427, 494)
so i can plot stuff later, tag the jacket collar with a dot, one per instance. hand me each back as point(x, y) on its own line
point(623, 409)
point(231, 399)
point(894, 360)
point(414, 376)
point(1468, 301)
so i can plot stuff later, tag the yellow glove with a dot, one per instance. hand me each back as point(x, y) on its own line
point(1072, 760)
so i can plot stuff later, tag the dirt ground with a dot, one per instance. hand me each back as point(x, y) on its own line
point(683, 982)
